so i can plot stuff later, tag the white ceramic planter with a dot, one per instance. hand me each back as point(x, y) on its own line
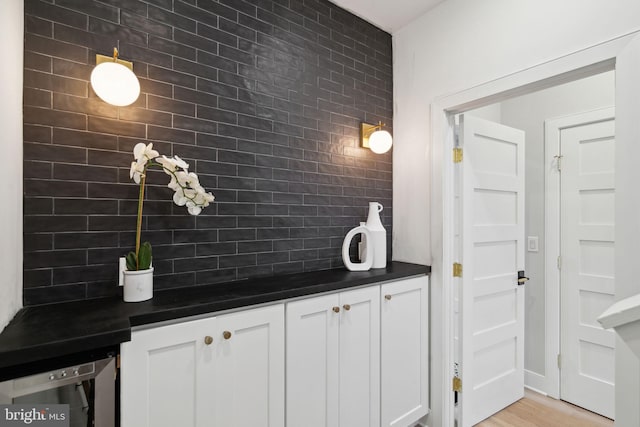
point(138, 285)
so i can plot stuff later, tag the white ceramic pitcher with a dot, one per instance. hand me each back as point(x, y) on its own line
point(373, 251)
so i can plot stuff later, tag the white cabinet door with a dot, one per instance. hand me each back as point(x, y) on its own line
point(162, 384)
point(404, 342)
point(333, 360)
point(360, 358)
point(192, 374)
point(312, 362)
point(249, 369)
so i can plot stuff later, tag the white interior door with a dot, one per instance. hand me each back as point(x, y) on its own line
point(587, 268)
point(491, 301)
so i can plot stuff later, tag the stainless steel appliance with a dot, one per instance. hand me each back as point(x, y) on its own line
point(88, 388)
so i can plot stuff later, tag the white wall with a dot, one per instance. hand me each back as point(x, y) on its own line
point(458, 45)
point(463, 43)
point(11, 34)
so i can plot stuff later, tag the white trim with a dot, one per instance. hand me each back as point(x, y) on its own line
point(528, 387)
point(552, 251)
point(590, 61)
point(552, 129)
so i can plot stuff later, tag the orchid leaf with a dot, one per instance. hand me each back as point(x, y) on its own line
point(131, 261)
point(144, 256)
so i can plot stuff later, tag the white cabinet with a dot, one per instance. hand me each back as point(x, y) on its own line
point(360, 357)
point(161, 375)
point(312, 362)
point(249, 369)
point(333, 360)
point(404, 351)
point(357, 358)
point(219, 371)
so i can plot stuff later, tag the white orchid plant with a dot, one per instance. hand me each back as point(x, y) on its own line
point(187, 192)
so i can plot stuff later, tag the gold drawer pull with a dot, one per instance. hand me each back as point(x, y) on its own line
point(226, 335)
point(347, 307)
point(208, 340)
point(336, 309)
point(387, 297)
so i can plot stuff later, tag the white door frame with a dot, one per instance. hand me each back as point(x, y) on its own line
point(550, 382)
point(613, 54)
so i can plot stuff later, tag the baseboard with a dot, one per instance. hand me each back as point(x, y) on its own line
point(536, 390)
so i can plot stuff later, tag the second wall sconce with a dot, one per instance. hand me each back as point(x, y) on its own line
point(375, 138)
point(113, 80)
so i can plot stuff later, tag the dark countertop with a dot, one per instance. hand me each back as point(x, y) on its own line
point(53, 330)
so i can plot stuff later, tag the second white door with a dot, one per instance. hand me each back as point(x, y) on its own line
point(587, 263)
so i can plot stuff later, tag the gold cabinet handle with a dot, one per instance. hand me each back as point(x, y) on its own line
point(226, 335)
point(208, 340)
point(336, 309)
point(387, 297)
point(347, 307)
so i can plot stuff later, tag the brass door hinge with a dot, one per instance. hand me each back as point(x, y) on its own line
point(457, 269)
point(457, 384)
point(457, 155)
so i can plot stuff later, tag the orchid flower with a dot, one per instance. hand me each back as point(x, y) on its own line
point(186, 186)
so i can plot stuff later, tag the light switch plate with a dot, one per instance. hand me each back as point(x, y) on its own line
point(532, 243)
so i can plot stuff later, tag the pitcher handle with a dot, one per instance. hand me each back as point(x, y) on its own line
point(368, 260)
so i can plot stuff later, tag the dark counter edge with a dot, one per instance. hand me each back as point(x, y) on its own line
point(51, 331)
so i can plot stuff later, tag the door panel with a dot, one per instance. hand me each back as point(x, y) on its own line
point(163, 375)
point(312, 362)
point(360, 357)
point(587, 275)
point(404, 351)
point(492, 304)
point(249, 368)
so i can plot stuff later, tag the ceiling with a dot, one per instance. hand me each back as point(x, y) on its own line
point(390, 15)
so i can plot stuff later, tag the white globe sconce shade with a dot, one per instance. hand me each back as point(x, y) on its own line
point(114, 82)
point(375, 138)
point(380, 141)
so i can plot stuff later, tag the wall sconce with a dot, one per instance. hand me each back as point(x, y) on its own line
point(113, 80)
point(375, 138)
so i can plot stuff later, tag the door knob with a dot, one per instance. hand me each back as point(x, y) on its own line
point(387, 297)
point(522, 279)
point(208, 340)
point(226, 335)
point(336, 309)
point(347, 307)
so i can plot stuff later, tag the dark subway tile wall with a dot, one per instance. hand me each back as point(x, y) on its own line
point(263, 98)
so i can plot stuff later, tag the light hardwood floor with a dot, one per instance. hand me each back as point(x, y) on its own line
point(536, 410)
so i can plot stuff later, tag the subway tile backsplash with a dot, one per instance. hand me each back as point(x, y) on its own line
point(263, 98)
